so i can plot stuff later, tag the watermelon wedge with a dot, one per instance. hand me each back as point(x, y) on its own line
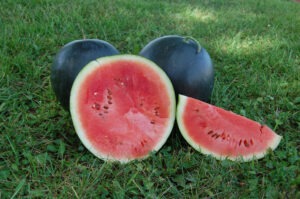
point(122, 107)
point(221, 133)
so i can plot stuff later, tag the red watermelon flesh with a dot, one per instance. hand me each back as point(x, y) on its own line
point(123, 107)
point(221, 133)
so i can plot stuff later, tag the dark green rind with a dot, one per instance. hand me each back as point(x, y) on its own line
point(187, 64)
point(71, 59)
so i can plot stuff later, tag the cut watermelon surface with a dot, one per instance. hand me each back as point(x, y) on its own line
point(122, 107)
point(221, 133)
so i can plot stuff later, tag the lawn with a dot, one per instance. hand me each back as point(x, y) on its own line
point(255, 47)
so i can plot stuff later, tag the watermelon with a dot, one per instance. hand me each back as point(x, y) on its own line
point(122, 107)
point(221, 133)
point(187, 64)
point(71, 58)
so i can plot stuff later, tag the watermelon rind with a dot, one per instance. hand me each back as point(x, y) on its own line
point(94, 65)
point(182, 101)
point(187, 64)
point(68, 62)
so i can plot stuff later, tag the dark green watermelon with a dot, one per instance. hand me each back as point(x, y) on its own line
point(187, 64)
point(71, 59)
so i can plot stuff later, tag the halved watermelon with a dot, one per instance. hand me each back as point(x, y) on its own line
point(221, 133)
point(122, 107)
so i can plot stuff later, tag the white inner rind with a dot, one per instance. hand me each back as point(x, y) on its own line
point(94, 65)
point(182, 101)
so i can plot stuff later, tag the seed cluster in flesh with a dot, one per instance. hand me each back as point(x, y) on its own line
point(105, 108)
point(226, 137)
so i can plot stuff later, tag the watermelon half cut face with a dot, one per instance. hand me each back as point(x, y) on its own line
point(221, 133)
point(122, 107)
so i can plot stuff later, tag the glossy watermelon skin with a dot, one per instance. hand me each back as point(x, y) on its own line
point(223, 134)
point(71, 59)
point(187, 64)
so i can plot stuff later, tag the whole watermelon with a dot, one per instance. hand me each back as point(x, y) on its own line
point(187, 64)
point(71, 59)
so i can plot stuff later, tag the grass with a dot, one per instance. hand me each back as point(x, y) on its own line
point(255, 47)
